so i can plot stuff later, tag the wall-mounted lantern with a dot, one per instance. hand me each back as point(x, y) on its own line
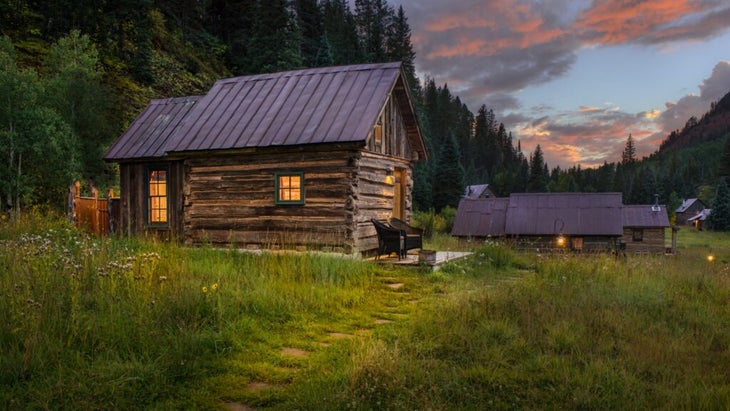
point(389, 177)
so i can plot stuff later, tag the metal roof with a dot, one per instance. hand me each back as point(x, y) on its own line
point(645, 216)
point(565, 213)
point(149, 133)
point(312, 106)
point(320, 105)
point(686, 204)
point(478, 190)
point(480, 217)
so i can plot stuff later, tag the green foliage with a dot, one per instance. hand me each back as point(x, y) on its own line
point(448, 176)
point(719, 218)
point(148, 325)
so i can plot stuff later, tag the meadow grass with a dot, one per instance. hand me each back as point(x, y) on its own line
point(107, 323)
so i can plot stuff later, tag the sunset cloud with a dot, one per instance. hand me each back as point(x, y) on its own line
point(489, 51)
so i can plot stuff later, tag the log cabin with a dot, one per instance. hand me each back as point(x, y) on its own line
point(299, 159)
point(578, 222)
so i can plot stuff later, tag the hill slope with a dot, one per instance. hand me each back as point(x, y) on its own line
point(714, 125)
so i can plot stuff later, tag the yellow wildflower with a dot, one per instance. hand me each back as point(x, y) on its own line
point(205, 290)
point(214, 286)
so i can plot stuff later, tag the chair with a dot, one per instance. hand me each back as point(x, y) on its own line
point(412, 236)
point(390, 239)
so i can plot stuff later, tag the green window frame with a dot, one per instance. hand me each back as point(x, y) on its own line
point(157, 183)
point(289, 188)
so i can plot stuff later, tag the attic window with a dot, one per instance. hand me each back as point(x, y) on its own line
point(157, 197)
point(289, 188)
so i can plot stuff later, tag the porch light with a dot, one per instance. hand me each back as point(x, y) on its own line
point(560, 240)
point(389, 179)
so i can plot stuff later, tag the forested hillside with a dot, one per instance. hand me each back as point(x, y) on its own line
point(74, 74)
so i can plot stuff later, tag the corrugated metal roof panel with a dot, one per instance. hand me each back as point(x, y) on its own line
point(321, 105)
point(645, 216)
point(566, 213)
point(148, 134)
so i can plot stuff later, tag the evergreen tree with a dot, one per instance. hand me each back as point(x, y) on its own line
point(373, 21)
point(629, 154)
point(719, 218)
point(398, 47)
point(340, 30)
point(538, 179)
point(232, 21)
point(309, 19)
point(275, 40)
point(448, 178)
point(723, 170)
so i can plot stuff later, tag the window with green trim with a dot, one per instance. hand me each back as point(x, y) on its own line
point(157, 197)
point(289, 188)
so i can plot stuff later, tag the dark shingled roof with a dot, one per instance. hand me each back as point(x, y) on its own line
point(644, 216)
point(480, 217)
point(312, 106)
point(149, 133)
point(566, 213)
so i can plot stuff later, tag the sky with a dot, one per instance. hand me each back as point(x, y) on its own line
point(577, 76)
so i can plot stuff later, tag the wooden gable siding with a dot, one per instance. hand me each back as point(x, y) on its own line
point(652, 240)
point(230, 199)
point(133, 200)
point(395, 135)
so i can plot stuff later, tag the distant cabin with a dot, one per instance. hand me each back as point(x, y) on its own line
point(301, 159)
point(590, 222)
point(479, 191)
point(690, 207)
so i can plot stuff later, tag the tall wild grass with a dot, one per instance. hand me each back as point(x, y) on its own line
point(565, 332)
point(103, 323)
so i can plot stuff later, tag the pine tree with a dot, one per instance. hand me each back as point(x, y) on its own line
point(723, 169)
point(274, 43)
point(398, 47)
point(719, 218)
point(340, 30)
point(538, 179)
point(448, 178)
point(373, 21)
point(309, 21)
point(629, 154)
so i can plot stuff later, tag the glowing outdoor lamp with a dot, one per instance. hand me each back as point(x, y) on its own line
point(389, 179)
point(560, 240)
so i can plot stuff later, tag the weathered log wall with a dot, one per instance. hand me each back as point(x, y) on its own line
point(652, 241)
point(133, 214)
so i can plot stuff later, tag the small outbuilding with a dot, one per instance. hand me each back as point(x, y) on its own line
point(589, 222)
point(644, 228)
point(297, 159)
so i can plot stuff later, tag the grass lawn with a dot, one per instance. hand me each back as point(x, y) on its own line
point(94, 323)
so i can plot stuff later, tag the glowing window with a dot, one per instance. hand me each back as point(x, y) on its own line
point(290, 188)
point(157, 197)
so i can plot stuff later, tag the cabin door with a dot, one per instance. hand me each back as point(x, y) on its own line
point(399, 194)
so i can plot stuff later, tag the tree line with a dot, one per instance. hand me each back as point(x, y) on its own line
point(79, 71)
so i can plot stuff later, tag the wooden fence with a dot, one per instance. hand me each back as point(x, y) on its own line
point(98, 215)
